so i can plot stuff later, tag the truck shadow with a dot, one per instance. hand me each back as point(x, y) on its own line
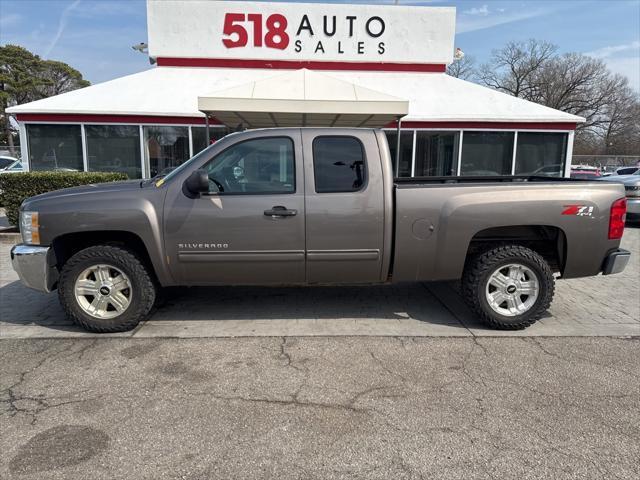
point(413, 301)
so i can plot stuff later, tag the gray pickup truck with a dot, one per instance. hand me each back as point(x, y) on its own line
point(307, 206)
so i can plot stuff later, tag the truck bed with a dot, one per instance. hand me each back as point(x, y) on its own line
point(438, 218)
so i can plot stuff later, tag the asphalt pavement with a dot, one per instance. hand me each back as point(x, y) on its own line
point(326, 408)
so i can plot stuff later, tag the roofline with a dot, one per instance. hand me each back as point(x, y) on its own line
point(298, 64)
point(199, 120)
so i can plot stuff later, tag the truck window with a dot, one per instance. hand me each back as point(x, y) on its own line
point(338, 164)
point(257, 166)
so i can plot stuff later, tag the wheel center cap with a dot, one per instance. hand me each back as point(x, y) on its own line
point(104, 290)
point(511, 289)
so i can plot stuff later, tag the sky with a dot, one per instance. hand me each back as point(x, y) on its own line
point(95, 36)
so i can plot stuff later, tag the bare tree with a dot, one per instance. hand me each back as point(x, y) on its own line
point(464, 68)
point(573, 83)
point(513, 68)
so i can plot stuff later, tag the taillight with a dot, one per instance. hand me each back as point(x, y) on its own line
point(617, 218)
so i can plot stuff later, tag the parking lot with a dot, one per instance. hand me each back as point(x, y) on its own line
point(324, 383)
point(582, 307)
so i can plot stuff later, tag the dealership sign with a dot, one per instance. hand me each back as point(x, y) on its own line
point(300, 31)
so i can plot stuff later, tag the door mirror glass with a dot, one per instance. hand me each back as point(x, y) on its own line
point(197, 183)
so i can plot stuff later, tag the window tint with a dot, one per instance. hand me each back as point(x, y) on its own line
point(487, 153)
point(436, 153)
point(338, 164)
point(263, 165)
point(406, 149)
point(55, 147)
point(114, 148)
point(541, 154)
point(165, 148)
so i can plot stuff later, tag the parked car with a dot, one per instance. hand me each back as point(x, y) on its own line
point(585, 172)
point(7, 161)
point(627, 170)
point(632, 190)
point(315, 206)
point(554, 170)
point(13, 166)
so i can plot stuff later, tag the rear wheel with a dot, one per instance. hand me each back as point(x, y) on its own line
point(105, 288)
point(509, 287)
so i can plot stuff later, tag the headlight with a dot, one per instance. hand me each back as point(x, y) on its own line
point(29, 227)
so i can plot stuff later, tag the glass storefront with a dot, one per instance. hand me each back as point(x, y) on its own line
point(436, 153)
point(55, 147)
point(487, 153)
point(165, 148)
point(114, 148)
point(406, 151)
point(199, 136)
point(541, 153)
point(117, 148)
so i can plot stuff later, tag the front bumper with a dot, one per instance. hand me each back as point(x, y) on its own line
point(616, 262)
point(36, 266)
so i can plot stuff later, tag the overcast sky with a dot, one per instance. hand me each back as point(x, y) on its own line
point(95, 36)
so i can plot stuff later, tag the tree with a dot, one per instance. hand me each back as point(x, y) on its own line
point(464, 68)
point(25, 77)
point(60, 78)
point(513, 68)
point(573, 83)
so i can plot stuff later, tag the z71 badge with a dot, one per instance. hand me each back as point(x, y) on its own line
point(578, 210)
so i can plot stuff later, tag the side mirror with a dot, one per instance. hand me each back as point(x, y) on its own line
point(197, 183)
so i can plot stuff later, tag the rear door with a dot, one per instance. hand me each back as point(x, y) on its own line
point(250, 228)
point(344, 206)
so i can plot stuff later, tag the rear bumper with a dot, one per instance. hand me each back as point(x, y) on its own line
point(633, 206)
point(616, 262)
point(35, 266)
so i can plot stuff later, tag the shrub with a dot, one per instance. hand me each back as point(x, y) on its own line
point(15, 187)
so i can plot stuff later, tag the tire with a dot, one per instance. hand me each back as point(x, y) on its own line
point(508, 272)
point(106, 270)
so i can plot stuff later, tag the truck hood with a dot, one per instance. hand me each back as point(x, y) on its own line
point(82, 191)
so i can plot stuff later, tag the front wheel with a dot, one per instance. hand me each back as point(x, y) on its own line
point(106, 289)
point(509, 287)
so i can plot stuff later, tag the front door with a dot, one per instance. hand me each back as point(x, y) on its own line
point(250, 228)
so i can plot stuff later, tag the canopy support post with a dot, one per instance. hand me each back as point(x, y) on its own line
point(206, 127)
point(398, 147)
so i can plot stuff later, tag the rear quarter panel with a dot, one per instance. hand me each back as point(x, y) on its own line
point(435, 223)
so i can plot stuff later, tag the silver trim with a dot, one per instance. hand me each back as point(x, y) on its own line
point(35, 266)
point(507, 286)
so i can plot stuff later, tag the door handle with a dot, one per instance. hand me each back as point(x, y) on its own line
point(280, 211)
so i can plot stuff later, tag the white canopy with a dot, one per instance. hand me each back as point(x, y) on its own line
point(174, 91)
point(302, 98)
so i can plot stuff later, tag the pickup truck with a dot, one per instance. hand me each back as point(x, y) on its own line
point(309, 206)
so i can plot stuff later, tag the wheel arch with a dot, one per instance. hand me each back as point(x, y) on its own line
point(67, 245)
point(548, 240)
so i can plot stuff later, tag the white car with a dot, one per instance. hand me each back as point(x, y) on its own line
point(10, 165)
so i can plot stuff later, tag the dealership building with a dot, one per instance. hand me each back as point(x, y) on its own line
point(225, 66)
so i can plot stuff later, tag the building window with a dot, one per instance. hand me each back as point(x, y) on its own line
point(55, 147)
point(338, 164)
point(199, 136)
point(165, 148)
point(406, 151)
point(113, 148)
point(487, 153)
point(541, 154)
point(259, 166)
point(436, 153)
